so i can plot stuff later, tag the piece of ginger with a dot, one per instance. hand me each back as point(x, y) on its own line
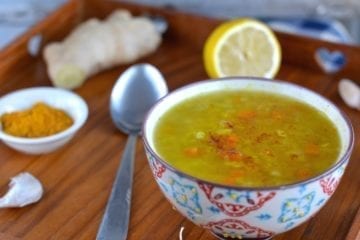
point(97, 45)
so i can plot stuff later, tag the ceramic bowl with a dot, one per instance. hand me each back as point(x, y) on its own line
point(247, 213)
point(66, 100)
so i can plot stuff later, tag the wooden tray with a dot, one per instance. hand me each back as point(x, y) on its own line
point(78, 178)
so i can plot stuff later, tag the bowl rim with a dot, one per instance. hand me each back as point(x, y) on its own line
point(344, 158)
point(77, 122)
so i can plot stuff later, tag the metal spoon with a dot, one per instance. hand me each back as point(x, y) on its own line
point(136, 90)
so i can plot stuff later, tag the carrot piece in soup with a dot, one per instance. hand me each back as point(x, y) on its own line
point(232, 138)
point(230, 181)
point(224, 142)
point(312, 149)
point(303, 173)
point(234, 176)
point(236, 173)
point(247, 114)
point(192, 151)
point(230, 141)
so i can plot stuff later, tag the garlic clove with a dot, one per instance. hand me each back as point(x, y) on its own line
point(24, 189)
point(350, 93)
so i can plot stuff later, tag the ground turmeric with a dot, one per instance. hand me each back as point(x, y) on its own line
point(38, 121)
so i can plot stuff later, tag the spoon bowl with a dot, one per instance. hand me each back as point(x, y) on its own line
point(137, 89)
point(133, 94)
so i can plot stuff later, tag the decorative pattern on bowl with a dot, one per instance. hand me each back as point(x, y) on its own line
point(244, 213)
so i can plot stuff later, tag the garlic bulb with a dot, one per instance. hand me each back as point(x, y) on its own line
point(350, 93)
point(24, 190)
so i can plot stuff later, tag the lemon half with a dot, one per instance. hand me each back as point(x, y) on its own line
point(242, 47)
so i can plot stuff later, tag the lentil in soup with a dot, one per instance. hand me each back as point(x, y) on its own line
point(247, 138)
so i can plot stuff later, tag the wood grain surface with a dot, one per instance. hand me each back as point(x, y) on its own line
point(78, 178)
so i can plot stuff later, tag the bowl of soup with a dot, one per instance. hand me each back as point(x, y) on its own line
point(247, 157)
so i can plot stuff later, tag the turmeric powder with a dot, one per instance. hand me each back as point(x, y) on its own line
point(40, 120)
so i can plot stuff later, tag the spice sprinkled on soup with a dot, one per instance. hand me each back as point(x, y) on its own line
point(247, 138)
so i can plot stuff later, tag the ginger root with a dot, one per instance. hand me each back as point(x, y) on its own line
point(98, 45)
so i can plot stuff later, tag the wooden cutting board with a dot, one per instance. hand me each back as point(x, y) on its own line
point(78, 178)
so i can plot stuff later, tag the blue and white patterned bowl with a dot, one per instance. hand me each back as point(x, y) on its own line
point(247, 213)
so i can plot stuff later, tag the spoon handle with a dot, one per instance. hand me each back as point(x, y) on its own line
point(115, 222)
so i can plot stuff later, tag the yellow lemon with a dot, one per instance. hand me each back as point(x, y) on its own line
point(242, 47)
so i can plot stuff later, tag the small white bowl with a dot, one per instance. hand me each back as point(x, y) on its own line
point(22, 99)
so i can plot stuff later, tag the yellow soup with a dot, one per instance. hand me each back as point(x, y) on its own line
point(247, 138)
